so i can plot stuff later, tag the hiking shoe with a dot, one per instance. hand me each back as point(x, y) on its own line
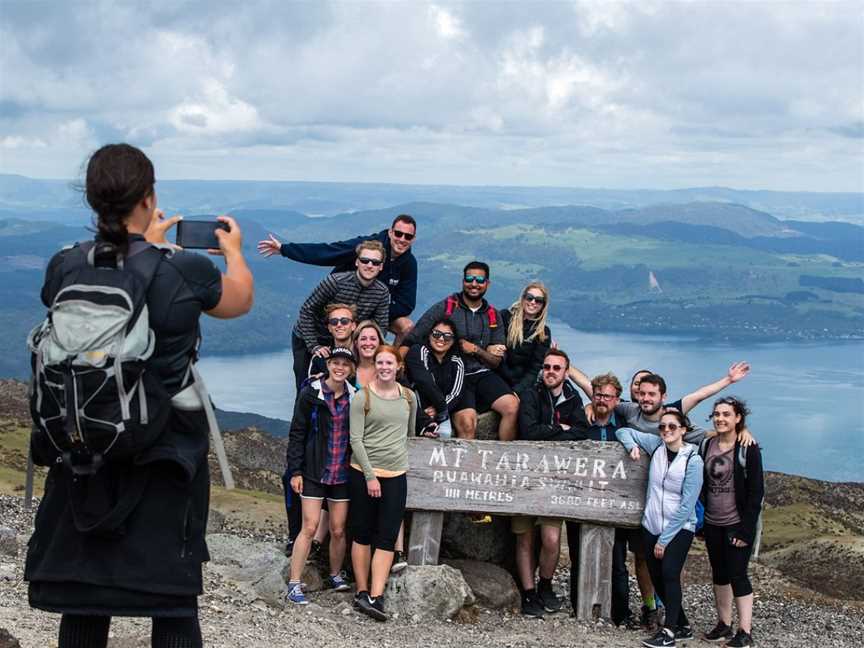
point(314, 553)
point(683, 632)
point(721, 632)
point(399, 562)
point(649, 619)
point(296, 595)
point(630, 622)
point(740, 640)
point(338, 583)
point(663, 639)
point(373, 607)
point(532, 606)
point(480, 518)
point(550, 601)
point(358, 596)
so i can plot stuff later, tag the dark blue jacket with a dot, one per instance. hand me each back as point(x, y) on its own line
point(399, 274)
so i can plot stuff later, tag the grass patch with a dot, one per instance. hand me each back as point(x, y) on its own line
point(786, 525)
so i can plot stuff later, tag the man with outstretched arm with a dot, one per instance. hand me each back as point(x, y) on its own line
point(482, 342)
point(551, 410)
point(359, 288)
point(399, 273)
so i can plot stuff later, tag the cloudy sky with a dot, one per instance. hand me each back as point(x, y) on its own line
point(593, 94)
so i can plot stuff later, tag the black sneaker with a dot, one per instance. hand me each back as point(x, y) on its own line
point(630, 622)
point(663, 639)
point(532, 606)
point(289, 548)
point(649, 619)
point(683, 632)
point(372, 607)
point(740, 640)
point(721, 632)
point(358, 596)
point(550, 601)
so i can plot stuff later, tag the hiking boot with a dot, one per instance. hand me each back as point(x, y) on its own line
point(338, 583)
point(296, 595)
point(399, 562)
point(649, 619)
point(740, 640)
point(373, 607)
point(532, 606)
point(663, 639)
point(630, 622)
point(721, 632)
point(683, 632)
point(550, 601)
point(314, 553)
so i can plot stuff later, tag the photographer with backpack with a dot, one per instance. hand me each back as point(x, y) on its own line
point(121, 416)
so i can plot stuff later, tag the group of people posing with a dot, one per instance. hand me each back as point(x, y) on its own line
point(123, 533)
point(359, 398)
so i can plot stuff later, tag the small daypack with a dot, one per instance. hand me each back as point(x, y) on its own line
point(452, 303)
point(92, 397)
point(404, 392)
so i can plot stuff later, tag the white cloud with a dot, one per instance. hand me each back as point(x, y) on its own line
point(214, 112)
point(447, 24)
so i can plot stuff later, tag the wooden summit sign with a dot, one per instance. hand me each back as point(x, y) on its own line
point(593, 482)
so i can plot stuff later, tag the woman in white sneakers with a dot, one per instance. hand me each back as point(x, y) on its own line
point(669, 521)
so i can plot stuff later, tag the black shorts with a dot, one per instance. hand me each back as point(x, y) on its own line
point(480, 390)
point(633, 539)
point(319, 491)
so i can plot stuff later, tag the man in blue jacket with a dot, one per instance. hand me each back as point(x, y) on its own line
point(400, 265)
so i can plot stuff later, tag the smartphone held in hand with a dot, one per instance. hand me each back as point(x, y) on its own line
point(199, 234)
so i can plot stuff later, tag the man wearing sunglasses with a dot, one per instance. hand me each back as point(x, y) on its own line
point(482, 344)
point(360, 288)
point(399, 273)
point(341, 320)
point(549, 411)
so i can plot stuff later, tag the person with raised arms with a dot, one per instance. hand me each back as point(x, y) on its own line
point(482, 343)
point(359, 288)
point(528, 337)
point(382, 413)
point(399, 272)
point(733, 493)
point(669, 521)
point(551, 410)
point(318, 464)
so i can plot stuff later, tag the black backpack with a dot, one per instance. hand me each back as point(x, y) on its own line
point(92, 397)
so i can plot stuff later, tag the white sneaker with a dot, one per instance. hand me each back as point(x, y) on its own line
point(445, 431)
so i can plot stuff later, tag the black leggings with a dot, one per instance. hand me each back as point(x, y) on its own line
point(728, 562)
point(666, 574)
point(375, 520)
point(79, 631)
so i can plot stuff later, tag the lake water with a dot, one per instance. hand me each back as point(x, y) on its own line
point(807, 399)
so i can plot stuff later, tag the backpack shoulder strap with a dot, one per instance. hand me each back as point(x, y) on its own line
point(366, 403)
point(703, 448)
point(451, 305)
point(405, 393)
point(742, 459)
point(492, 316)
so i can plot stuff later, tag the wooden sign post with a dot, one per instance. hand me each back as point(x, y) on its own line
point(593, 482)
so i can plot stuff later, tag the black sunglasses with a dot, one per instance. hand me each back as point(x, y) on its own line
point(478, 279)
point(534, 298)
point(403, 235)
point(367, 260)
point(442, 335)
point(551, 367)
point(333, 321)
point(669, 426)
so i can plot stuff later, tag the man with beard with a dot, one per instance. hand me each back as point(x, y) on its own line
point(482, 343)
point(360, 288)
point(399, 273)
point(549, 411)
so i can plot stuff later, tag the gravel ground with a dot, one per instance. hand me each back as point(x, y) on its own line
point(785, 615)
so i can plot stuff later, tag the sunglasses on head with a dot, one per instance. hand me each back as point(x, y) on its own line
point(669, 426)
point(442, 335)
point(367, 260)
point(334, 321)
point(552, 367)
point(534, 298)
point(403, 235)
point(478, 279)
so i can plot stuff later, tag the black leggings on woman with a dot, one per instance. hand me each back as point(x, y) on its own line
point(666, 574)
point(375, 520)
point(728, 562)
point(79, 631)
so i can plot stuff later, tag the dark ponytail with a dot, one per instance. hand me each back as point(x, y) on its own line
point(119, 176)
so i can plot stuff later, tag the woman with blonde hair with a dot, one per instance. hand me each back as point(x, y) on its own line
point(367, 337)
point(528, 337)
